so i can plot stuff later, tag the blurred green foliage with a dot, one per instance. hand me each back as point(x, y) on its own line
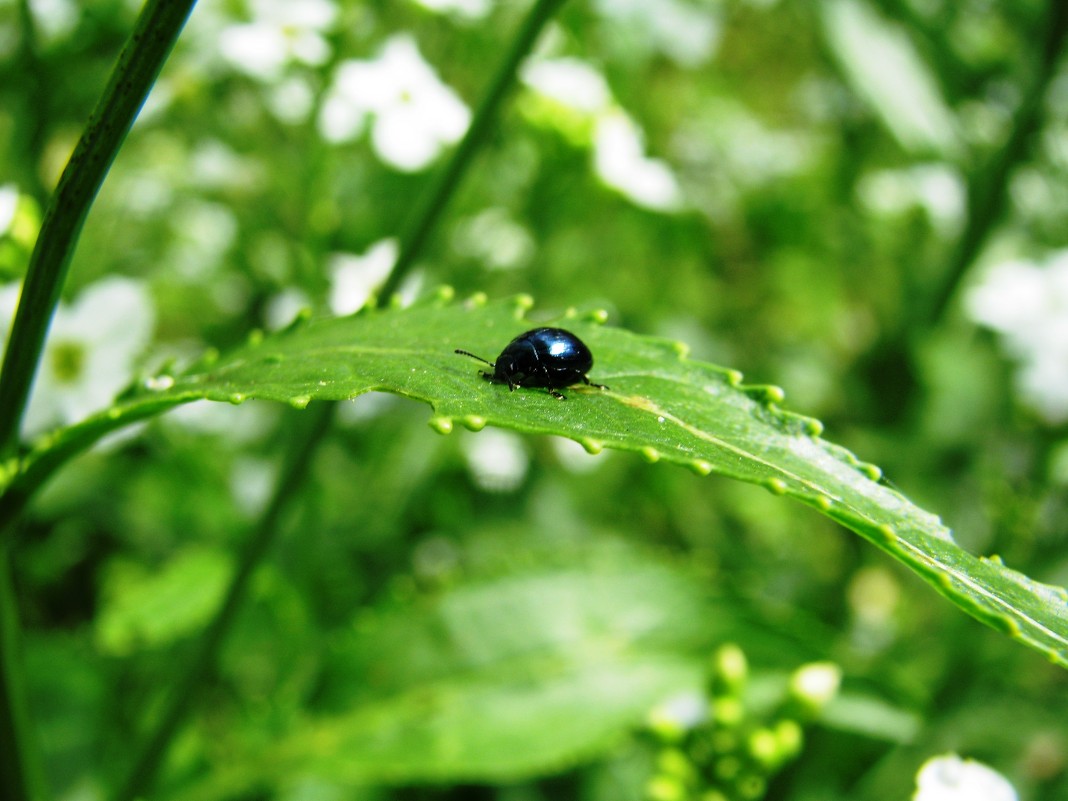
point(821, 228)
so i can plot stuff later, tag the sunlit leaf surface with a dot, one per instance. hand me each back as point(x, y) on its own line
point(658, 404)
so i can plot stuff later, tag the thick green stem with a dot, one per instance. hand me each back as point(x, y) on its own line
point(446, 184)
point(21, 774)
point(988, 190)
point(139, 64)
point(306, 439)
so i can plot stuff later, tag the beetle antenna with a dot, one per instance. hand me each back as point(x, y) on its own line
point(473, 356)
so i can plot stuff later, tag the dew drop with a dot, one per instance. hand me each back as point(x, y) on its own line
point(159, 383)
point(473, 422)
point(651, 455)
point(237, 397)
point(660, 419)
point(823, 503)
point(445, 293)
point(255, 337)
point(813, 427)
point(300, 401)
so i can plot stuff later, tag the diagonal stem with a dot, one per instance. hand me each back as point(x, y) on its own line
point(988, 190)
point(306, 439)
point(447, 182)
point(139, 64)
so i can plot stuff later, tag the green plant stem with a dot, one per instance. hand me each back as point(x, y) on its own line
point(988, 190)
point(31, 121)
point(444, 187)
point(21, 773)
point(138, 66)
point(306, 439)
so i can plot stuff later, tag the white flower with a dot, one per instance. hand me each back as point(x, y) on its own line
point(281, 32)
point(354, 278)
point(90, 351)
point(569, 81)
point(414, 115)
point(619, 158)
point(686, 34)
point(464, 9)
point(1027, 304)
point(620, 161)
point(496, 459)
point(950, 778)
point(9, 198)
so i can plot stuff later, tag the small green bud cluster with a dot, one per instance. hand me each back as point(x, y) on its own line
point(721, 749)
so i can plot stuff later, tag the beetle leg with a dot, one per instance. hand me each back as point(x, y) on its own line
point(591, 384)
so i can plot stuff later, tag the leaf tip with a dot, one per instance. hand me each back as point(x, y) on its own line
point(700, 466)
point(650, 454)
point(886, 534)
point(776, 486)
point(591, 446)
point(765, 393)
point(872, 471)
point(477, 300)
point(473, 422)
point(443, 425)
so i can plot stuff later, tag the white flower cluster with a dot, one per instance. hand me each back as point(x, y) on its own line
point(619, 158)
point(950, 778)
point(413, 115)
point(90, 352)
point(1027, 304)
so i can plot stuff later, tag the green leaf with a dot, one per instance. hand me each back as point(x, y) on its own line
point(494, 681)
point(659, 404)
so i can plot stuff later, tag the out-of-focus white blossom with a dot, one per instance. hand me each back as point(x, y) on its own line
point(620, 161)
point(280, 32)
point(355, 278)
point(950, 778)
point(617, 142)
point(9, 198)
point(1027, 303)
point(413, 115)
point(464, 9)
point(497, 460)
point(687, 33)
point(90, 352)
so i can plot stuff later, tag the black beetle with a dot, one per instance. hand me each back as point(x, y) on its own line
point(542, 357)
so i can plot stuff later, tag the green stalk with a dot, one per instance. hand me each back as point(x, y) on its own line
point(447, 182)
point(306, 439)
point(21, 770)
point(139, 64)
point(155, 748)
point(988, 190)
